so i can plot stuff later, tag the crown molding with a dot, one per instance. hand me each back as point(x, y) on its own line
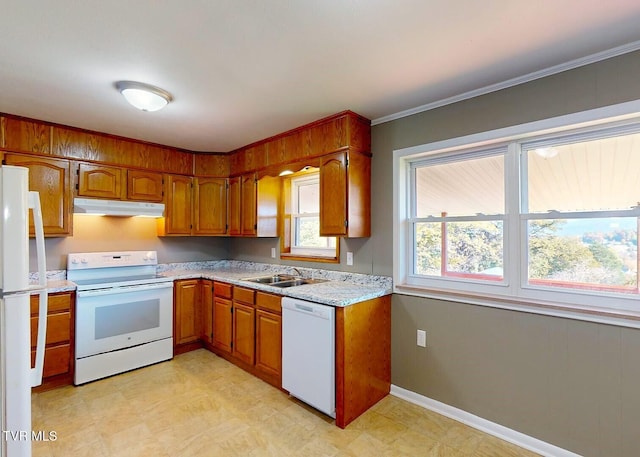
point(593, 58)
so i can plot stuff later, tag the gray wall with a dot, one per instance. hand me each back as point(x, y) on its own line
point(259, 250)
point(571, 383)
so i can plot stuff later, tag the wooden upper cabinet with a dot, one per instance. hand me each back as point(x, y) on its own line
point(50, 178)
point(144, 186)
point(345, 194)
point(210, 206)
point(333, 195)
point(253, 206)
point(212, 165)
point(177, 220)
point(235, 203)
point(26, 136)
point(249, 223)
point(99, 181)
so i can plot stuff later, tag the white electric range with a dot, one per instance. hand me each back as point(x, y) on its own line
point(124, 313)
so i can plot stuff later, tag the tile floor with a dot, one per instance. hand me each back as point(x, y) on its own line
point(200, 405)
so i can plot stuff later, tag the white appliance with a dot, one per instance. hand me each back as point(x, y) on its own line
point(124, 313)
point(117, 207)
point(16, 375)
point(308, 353)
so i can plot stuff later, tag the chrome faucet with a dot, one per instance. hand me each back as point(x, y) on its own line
point(297, 271)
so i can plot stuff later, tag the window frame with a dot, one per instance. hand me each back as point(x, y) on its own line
point(513, 292)
point(328, 251)
point(287, 224)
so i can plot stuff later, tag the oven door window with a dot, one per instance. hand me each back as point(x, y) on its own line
point(122, 318)
point(126, 318)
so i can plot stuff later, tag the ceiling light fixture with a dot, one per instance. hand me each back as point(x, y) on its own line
point(143, 96)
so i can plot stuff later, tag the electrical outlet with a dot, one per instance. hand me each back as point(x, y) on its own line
point(421, 338)
point(273, 253)
point(349, 258)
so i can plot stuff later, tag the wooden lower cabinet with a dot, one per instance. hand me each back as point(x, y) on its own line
point(244, 326)
point(59, 349)
point(247, 330)
point(363, 357)
point(186, 319)
point(269, 343)
point(206, 307)
point(222, 317)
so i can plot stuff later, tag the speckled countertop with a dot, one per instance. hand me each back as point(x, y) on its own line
point(340, 289)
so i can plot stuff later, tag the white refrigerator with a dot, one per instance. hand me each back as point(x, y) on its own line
point(16, 375)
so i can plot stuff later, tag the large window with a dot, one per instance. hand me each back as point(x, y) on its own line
point(548, 219)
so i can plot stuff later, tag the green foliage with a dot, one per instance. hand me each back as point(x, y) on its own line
point(576, 259)
point(472, 247)
point(477, 247)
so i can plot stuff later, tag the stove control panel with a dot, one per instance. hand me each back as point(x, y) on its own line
point(85, 260)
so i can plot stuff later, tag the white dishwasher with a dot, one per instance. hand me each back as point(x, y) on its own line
point(308, 353)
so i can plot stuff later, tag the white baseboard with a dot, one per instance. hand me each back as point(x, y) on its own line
point(497, 430)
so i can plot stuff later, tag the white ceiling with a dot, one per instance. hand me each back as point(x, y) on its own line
point(243, 70)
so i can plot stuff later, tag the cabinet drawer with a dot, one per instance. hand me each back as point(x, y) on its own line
point(269, 302)
point(244, 295)
point(221, 289)
point(56, 360)
point(58, 326)
point(56, 303)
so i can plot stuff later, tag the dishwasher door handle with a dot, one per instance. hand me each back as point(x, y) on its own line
point(300, 306)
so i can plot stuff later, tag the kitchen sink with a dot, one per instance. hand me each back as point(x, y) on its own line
point(272, 279)
point(283, 281)
point(297, 282)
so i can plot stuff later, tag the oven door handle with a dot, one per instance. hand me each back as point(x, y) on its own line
point(122, 290)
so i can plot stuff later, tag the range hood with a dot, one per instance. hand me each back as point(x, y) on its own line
point(117, 207)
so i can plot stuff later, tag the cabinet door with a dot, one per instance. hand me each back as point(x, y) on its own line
point(50, 178)
point(186, 301)
point(222, 323)
point(144, 186)
point(99, 181)
point(58, 353)
point(333, 195)
point(269, 343)
point(235, 202)
point(178, 205)
point(249, 205)
point(244, 332)
point(210, 206)
point(206, 306)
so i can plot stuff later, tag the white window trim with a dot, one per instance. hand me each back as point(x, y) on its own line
point(509, 295)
